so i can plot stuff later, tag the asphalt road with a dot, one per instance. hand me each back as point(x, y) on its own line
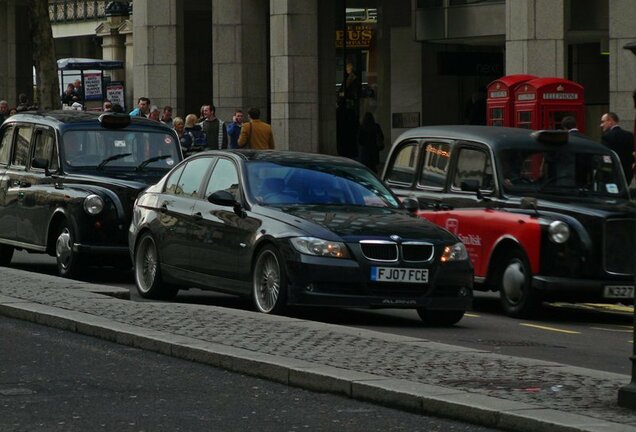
point(591, 336)
point(55, 380)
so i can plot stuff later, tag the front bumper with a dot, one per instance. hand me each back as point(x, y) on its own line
point(317, 281)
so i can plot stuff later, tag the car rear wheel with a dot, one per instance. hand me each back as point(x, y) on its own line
point(148, 271)
point(518, 299)
point(269, 282)
point(6, 254)
point(440, 317)
point(69, 263)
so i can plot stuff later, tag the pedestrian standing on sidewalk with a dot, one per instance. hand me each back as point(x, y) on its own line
point(234, 129)
point(256, 134)
point(214, 128)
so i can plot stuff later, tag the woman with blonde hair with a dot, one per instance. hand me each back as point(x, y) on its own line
point(194, 139)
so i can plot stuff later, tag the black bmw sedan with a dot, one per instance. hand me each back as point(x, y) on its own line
point(294, 229)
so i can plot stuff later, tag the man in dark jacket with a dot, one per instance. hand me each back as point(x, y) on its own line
point(619, 140)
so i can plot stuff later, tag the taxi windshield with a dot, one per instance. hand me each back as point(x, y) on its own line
point(275, 183)
point(104, 149)
point(558, 172)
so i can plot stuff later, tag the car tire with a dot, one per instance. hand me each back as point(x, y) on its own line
point(69, 263)
point(441, 318)
point(6, 254)
point(147, 271)
point(517, 297)
point(269, 282)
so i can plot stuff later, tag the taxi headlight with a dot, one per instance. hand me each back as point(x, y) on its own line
point(320, 247)
point(456, 252)
point(93, 204)
point(559, 232)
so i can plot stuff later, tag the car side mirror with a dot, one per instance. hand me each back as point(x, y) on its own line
point(222, 198)
point(472, 186)
point(42, 164)
point(411, 204)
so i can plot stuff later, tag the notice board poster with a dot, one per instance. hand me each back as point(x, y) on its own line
point(93, 86)
point(115, 93)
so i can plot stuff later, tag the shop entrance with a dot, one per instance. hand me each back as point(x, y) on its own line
point(356, 77)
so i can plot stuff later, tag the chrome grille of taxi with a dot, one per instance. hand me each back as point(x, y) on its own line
point(388, 251)
point(618, 246)
point(379, 250)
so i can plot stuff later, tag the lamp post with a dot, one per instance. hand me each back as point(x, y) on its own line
point(627, 394)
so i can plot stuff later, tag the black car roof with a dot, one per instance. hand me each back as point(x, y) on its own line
point(293, 157)
point(500, 137)
point(62, 119)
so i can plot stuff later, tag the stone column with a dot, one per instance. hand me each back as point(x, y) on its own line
point(155, 61)
point(294, 74)
point(622, 79)
point(126, 31)
point(239, 56)
point(16, 61)
point(535, 38)
point(113, 43)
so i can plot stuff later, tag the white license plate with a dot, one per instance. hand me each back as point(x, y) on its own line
point(394, 274)
point(618, 291)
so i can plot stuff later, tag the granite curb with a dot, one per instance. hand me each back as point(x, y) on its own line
point(399, 393)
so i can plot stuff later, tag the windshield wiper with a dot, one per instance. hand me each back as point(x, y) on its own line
point(151, 160)
point(112, 158)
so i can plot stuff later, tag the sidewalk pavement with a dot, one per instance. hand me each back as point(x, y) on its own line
point(418, 375)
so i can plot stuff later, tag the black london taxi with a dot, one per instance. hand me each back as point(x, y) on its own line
point(544, 215)
point(68, 181)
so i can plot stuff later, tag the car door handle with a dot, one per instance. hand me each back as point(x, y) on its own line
point(163, 208)
point(23, 184)
point(197, 216)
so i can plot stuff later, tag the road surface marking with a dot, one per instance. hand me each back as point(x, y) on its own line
point(613, 329)
point(549, 328)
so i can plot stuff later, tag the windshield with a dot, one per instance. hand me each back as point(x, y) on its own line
point(560, 172)
point(272, 183)
point(104, 149)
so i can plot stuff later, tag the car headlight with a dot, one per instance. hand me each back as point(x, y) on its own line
point(320, 247)
point(559, 232)
point(93, 204)
point(456, 252)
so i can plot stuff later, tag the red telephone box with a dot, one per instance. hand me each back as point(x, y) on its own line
point(542, 103)
point(501, 98)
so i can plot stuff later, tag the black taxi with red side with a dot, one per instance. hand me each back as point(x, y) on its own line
point(544, 215)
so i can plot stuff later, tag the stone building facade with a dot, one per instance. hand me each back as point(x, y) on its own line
point(420, 61)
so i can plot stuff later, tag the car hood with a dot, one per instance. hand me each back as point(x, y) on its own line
point(593, 207)
point(356, 223)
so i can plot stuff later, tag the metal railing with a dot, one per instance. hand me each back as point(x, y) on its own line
point(77, 10)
